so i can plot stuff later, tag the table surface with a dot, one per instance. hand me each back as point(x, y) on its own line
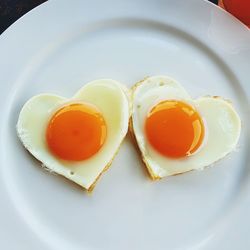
point(11, 10)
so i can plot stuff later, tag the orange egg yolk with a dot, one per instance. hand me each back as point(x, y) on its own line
point(76, 132)
point(174, 129)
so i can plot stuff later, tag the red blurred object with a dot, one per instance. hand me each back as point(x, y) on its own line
point(239, 8)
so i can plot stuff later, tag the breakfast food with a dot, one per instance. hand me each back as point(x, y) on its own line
point(175, 133)
point(77, 137)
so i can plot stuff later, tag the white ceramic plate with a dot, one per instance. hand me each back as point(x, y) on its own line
point(63, 44)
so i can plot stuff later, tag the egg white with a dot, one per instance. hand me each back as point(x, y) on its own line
point(109, 97)
point(222, 126)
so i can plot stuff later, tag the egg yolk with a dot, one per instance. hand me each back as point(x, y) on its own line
point(174, 129)
point(76, 132)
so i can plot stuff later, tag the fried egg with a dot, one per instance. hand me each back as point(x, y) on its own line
point(176, 133)
point(77, 137)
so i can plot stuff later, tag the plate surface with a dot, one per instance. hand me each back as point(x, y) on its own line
point(61, 45)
